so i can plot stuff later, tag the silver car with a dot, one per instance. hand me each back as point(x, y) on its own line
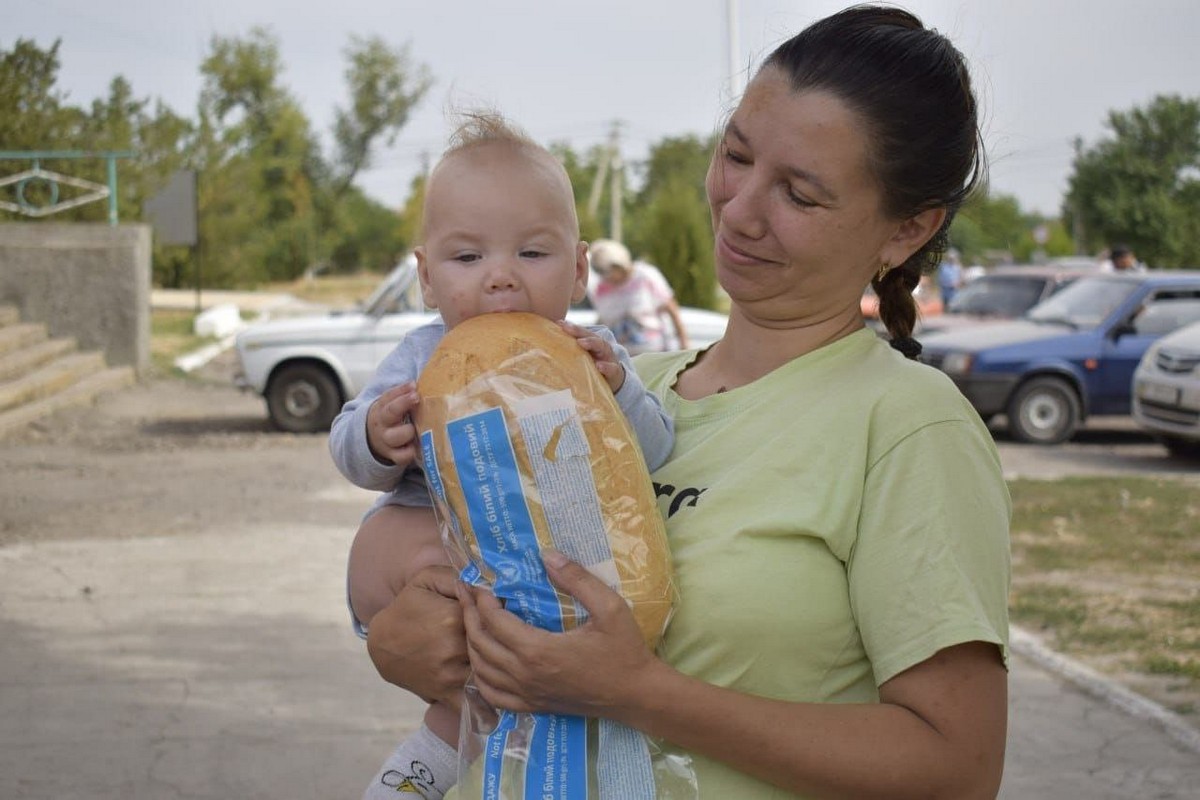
point(1166, 391)
point(307, 367)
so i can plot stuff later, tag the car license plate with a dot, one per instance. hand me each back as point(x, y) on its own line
point(1158, 393)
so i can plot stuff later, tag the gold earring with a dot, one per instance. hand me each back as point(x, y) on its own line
point(883, 270)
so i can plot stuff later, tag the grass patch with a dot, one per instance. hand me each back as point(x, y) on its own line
point(335, 291)
point(1108, 570)
point(171, 335)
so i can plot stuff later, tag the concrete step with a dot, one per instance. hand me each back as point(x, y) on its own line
point(20, 335)
point(82, 393)
point(9, 315)
point(30, 358)
point(49, 378)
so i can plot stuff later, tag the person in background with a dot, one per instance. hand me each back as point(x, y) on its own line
point(836, 511)
point(949, 276)
point(634, 300)
point(1122, 259)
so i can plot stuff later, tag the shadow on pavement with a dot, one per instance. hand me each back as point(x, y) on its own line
point(209, 426)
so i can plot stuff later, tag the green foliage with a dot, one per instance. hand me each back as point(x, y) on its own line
point(991, 228)
point(256, 138)
point(584, 170)
point(367, 236)
point(33, 113)
point(669, 220)
point(384, 87)
point(1141, 184)
point(409, 233)
point(271, 205)
point(676, 236)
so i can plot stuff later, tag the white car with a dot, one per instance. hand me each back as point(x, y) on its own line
point(307, 367)
point(1166, 391)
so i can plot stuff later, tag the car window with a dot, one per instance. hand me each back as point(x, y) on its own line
point(1085, 303)
point(1167, 313)
point(399, 293)
point(1008, 296)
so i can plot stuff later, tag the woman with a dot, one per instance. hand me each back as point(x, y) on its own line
point(836, 512)
point(634, 300)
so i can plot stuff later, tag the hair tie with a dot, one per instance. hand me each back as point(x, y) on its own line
point(907, 345)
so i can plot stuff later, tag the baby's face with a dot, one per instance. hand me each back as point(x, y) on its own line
point(500, 235)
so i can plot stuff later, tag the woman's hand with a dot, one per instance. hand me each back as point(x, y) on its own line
point(418, 643)
point(589, 670)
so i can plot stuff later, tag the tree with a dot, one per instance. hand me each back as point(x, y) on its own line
point(260, 154)
point(411, 214)
point(270, 203)
point(677, 237)
point(1141, 184)
point(669, 219)
point(384, 87)
point(33, 116)
point(991, 226)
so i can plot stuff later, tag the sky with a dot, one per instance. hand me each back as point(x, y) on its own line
point(1046, 71)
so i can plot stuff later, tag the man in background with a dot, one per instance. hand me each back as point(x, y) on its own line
point(1122, 259)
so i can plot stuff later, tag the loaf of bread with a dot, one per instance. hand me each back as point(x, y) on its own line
point(525, 448)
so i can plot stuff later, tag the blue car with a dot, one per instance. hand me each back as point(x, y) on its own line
point(1071, 355)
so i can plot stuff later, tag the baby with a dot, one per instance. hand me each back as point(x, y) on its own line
point(500, 234)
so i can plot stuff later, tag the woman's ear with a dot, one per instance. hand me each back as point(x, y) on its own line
point(582, 273)
point(912, 234)
point(427, 295)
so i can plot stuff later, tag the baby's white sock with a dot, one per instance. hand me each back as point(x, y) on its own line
point(422, 766)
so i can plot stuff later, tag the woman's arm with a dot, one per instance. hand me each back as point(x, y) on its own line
point(939, 730)
point(671, 309)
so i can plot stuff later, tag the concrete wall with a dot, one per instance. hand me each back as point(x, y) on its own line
point(89, 281)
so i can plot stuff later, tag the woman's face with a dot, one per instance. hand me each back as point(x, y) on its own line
point(798, 215)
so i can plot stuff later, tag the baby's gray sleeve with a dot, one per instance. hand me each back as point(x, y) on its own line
point(654, 428)
point(348, 434)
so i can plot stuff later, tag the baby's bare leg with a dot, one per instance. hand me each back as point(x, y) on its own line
point(391, 546)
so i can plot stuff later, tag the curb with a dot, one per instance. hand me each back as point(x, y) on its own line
point(1093, 683)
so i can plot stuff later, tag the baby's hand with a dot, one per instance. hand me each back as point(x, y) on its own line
point(390, 434)
point(600, 351)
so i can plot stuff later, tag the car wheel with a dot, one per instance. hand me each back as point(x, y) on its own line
point(1043, 411)
point(303, 398)
point(1182, 448)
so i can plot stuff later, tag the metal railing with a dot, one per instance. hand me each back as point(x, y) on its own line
point(35, 176)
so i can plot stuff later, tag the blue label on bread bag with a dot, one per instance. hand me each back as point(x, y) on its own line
point(487, 471)
point(557, 758)
point(504, 531)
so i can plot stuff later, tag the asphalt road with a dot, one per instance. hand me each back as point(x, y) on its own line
point(1105, 446)
point(172, 622)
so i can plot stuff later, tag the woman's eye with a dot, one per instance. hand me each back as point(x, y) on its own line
point(799, 200)
point(736, 158)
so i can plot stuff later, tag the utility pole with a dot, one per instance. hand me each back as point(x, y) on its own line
point(735, 67)
point(616, 175)
point(612, 167)
point(1077, 232)
point(598, 184)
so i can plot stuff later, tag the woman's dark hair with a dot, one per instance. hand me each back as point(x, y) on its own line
point(911, 86)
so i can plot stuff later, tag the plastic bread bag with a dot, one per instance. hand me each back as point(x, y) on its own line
point(524, 447)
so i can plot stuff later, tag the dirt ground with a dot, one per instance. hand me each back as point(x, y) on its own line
point(168, 455)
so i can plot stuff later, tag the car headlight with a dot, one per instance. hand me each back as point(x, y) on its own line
point(957, 363)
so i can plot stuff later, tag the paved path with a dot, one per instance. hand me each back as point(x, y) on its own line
point(218, 665)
